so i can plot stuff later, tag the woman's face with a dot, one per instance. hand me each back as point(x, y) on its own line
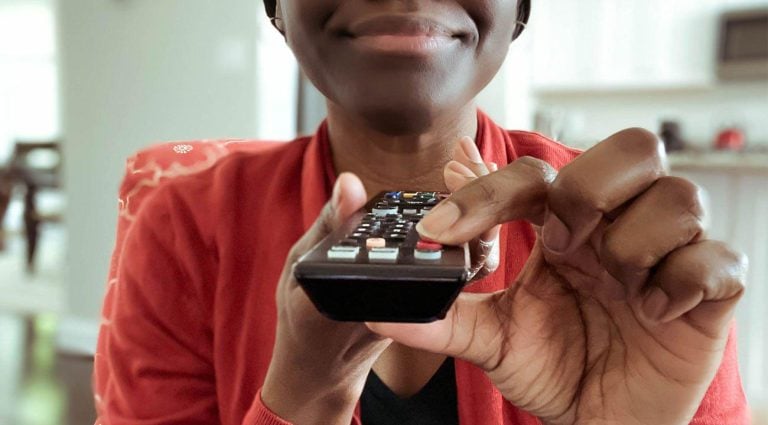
point(399, 64)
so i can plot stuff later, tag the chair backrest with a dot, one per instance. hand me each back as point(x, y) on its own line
point(37, 163)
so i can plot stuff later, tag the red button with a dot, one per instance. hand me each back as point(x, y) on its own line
point(428, 245)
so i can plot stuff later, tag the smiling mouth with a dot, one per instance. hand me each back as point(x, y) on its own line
point(407, 35)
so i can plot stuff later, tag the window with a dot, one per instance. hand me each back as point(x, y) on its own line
point(28, 73)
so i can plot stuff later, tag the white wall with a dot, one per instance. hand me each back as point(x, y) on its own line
point(134, 73)
point(508, 98)
point(603, 65)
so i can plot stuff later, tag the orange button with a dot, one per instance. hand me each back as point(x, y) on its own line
point(375, 243)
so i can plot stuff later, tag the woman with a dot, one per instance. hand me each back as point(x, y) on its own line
point(599, 300)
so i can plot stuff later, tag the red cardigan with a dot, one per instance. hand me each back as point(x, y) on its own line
point(189, 315)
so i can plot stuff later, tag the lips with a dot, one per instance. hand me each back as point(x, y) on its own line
point(401, 26)
point(409, 35)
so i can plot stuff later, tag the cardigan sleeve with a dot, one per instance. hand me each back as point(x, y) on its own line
point(154, 362)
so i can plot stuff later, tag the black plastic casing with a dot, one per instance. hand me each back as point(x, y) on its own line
point(409, 290)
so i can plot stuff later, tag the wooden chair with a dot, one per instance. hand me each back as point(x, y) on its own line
point(6, 191)
point(27, 170)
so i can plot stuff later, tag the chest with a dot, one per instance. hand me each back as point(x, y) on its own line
point(405, 371)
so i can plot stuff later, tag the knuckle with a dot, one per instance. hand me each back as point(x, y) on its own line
point(736, 263)
point(641, 141)
point(622, 254)
point(537, 175)
point(568, 192)
point(684, 192)
point(487, 190)
point(538, 169)
point(689, 197)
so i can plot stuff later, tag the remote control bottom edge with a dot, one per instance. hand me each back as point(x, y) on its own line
point(381, 300)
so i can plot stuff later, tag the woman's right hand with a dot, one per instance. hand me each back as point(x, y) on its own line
point(319, 366)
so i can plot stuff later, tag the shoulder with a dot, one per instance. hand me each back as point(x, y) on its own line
point(189, 189)
point(200, 168)
point(526, 143)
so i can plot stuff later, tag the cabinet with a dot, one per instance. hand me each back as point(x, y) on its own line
point(625, 44)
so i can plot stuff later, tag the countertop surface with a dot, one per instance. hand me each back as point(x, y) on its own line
point(720, 161)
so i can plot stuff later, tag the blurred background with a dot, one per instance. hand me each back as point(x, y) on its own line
point(86, 83)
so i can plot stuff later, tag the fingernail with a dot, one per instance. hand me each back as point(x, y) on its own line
point(440, 219)
point(655, 304)
point(493, 167)
point(470, 149)
point(555, 234)
point(460, 169)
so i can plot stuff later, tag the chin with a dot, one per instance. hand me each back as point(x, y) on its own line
point(408, 111)
point(398, 120)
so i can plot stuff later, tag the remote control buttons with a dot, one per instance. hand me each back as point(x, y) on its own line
point(396, 237)
point(427, 255)
point(410, 211)
point(371, 243)
point(383, 254)
point(428, 250)
point(342, 252)
point(383, 211)
point(428, 245)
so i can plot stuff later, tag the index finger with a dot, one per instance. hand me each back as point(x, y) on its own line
point(516, 192)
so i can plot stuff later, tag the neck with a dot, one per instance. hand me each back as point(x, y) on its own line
point(393, 162)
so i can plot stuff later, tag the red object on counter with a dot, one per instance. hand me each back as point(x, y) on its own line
point(731, 139)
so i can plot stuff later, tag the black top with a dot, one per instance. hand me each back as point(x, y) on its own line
point(435, 404)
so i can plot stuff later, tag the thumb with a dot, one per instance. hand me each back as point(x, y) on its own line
point(517, 191)
point(348, 197)
point(470, 331)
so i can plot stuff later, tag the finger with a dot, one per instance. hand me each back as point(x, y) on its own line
point(348, 197)
point(485, 254)
point(702, 281)
point(485, 248)
point(666, 217)
point(470, 331)
point(467, 165)
point(597, 182)
point(457, 175)
point(467, 154)
point(517, 191)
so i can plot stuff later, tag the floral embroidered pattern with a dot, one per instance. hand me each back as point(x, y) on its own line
point(182, 149)
point(150, 174)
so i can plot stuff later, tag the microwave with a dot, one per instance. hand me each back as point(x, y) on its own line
point(743, 53)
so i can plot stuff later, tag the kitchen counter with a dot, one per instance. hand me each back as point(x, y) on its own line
point(751, 162)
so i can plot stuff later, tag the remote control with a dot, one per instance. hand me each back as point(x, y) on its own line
point(376, 268)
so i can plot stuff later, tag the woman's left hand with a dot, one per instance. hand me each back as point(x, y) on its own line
point(621, 312)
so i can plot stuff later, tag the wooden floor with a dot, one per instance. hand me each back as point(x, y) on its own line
point(38, 386)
